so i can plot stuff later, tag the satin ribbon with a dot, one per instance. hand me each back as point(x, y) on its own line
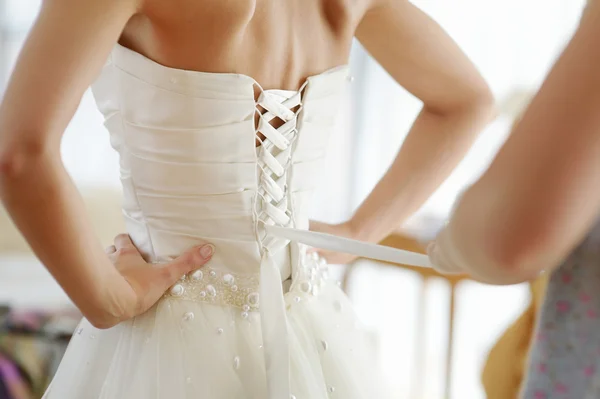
point(272, 307)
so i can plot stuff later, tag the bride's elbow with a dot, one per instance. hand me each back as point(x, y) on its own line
point(473, 109)
point(474, 97)
point(18, 156)
point(100, 313)
point(480, 105)
point(102, 320)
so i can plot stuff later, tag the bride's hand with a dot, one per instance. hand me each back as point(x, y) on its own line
point(342, 230)
point(143, 284)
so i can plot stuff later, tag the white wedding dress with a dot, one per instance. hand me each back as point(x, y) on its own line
point(261, 320)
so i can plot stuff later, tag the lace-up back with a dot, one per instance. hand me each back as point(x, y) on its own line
point(190, 169)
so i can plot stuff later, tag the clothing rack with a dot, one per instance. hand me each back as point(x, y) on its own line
point(31, 346)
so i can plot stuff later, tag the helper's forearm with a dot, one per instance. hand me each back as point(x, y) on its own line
point(48, 210)
point(471, 243)
point(433, 148)
point(540, 196)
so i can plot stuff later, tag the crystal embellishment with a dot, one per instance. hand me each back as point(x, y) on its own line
point(242, 290)
point(219, 288)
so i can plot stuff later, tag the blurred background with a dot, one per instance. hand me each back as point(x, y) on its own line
point(433, 334)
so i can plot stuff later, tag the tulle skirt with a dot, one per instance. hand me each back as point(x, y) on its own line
point(183, 349)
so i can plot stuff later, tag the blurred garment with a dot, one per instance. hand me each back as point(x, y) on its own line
point(565, 356)
point(31, 345)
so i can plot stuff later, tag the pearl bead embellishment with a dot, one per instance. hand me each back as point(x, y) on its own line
point(212, 291)
point(242, 290)
point(219, 288)
point(306, 286)
point(188, 316)
point(236, 362)
point(197, 275)
point(228, 279)
point(177, 290)
point(253, 299)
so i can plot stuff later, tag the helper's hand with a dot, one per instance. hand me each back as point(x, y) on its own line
point(440, 254)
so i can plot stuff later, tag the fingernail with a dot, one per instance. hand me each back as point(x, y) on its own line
point(207, 250)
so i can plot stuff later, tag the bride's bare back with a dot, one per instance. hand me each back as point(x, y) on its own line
point(278, 43)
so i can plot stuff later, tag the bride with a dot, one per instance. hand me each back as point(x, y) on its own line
point(220, 111)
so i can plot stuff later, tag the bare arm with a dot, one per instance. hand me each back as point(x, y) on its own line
point(65, 50)
point(541, 194)
point(457, 104)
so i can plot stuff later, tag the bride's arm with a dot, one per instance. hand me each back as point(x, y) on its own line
point(541, 194)
point(457, 104)
point(66, 49)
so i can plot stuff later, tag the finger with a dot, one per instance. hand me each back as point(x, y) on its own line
point(440, 262)
point(434, 257)
point(188, 261)
point(123, 241)
point(111, 249)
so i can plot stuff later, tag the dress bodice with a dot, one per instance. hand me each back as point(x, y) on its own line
point(190, 169)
